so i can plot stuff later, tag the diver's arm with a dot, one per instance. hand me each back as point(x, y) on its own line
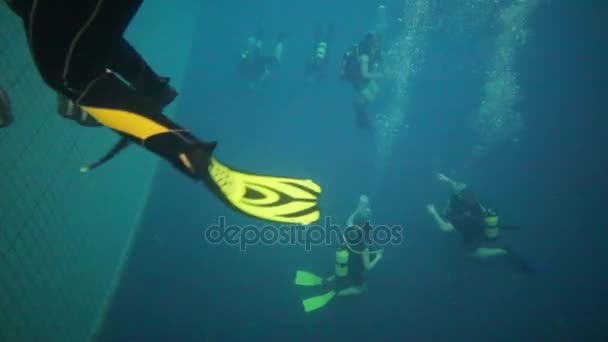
point(362, 205)
point(351, 220)
point(455, 186)
point(364, 62)
point(367, 262)
point(442, 224)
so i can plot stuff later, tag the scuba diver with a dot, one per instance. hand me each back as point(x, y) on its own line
point(354, 258)
point(361, 67)
point(6, 114)
point(254, 66)
point(479, 225)
point(316, 66)
point(79, 51)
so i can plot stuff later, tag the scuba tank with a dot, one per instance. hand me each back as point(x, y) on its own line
point(341, 268)
point(490, 221)
point(321, 51)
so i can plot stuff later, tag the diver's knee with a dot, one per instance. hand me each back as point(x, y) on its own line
point(364, 97)
point(369, 94)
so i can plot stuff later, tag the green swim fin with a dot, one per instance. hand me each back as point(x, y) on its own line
point(317, 302)
point(304, 278)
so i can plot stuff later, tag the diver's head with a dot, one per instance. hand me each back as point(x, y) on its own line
point(363, 200)
point(365, 214)
point(372, 39)
point(362, 220)
point(253, 43)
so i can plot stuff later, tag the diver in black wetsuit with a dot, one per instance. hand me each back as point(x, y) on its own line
point(354, 258)
point(479, 226)
point(254, 66)
point(79, 51)
point(361, 68)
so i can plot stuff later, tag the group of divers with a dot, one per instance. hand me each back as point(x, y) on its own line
point(80, 52)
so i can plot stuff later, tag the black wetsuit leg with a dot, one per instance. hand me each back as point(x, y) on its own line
point(20, 7)
point(361, 116)
point(127, 62)
point(71, 45)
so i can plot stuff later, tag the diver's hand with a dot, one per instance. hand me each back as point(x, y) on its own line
point(443, 178)
point(430, 208)
point(378, 255)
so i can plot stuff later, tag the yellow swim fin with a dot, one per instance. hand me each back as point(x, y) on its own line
point(304, 278)
point(277, 199)
point(317, 302)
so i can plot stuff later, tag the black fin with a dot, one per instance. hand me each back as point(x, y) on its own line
point(117, 148)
